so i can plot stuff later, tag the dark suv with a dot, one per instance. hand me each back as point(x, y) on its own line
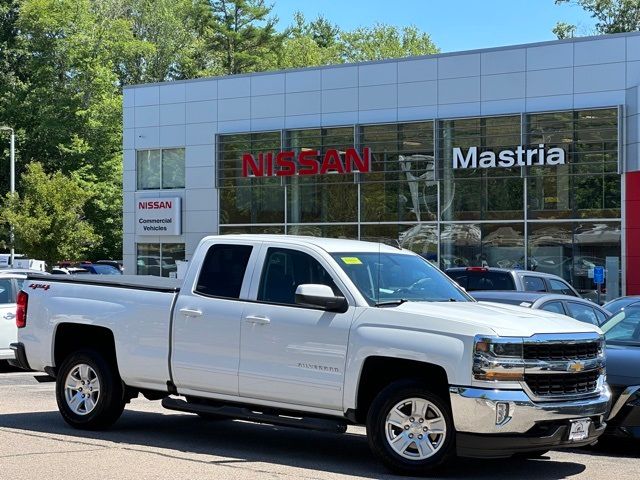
point(488, 278)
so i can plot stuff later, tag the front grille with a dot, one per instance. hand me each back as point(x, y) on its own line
point(551, 385)
point(561, 351)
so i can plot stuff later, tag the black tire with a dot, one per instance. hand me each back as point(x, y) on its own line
point(376, 430)
point(111, 400)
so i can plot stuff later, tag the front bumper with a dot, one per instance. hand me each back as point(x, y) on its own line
point(20, 359)
point(529, 426)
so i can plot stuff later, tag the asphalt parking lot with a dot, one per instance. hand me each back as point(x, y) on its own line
point(152, 443)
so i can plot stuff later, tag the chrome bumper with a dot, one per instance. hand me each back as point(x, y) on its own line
point(474, 410)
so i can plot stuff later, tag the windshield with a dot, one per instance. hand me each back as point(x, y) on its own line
point(394, 276)
point(105, 270)
point(624, 327)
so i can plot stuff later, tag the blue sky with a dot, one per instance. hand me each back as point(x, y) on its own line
point(453, 24)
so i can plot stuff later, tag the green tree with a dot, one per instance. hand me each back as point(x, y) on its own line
point(385, 41)
point(611, 16)
point(244, 35)
point(48, 216)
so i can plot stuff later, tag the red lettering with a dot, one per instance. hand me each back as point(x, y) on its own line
point(307, 158)
point(355, 162)
point(284, 160)
point(283, 165)
point(267, 158)
point(331, 161)
point(249, 164)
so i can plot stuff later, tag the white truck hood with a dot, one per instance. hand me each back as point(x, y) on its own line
point(504, 320)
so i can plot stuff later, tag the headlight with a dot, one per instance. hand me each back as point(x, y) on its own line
point(498, 359)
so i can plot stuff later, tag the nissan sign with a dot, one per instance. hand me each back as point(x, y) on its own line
point(306, 162)
point(520, 157)
point(158, 216)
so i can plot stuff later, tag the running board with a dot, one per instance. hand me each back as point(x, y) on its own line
point(322, 424)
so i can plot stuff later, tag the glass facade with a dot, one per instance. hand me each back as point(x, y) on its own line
point(562, 219)
point(159, 259)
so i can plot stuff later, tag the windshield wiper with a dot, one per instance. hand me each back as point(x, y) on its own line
point(392, 303)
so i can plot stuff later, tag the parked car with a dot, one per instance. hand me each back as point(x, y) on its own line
point(100, 269)
point(334, 332)
point(114, 263)
point(574, 307)
point(490, 278)
point(10, 285)
point(622, 333)
point(69, 271)
point(614, 306)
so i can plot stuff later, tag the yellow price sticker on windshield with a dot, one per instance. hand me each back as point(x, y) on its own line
point(351, 260)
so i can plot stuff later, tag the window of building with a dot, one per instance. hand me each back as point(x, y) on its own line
point(160, 169)
point(159, 259)
point(223, 270)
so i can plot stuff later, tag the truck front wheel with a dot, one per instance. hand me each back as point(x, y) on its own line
point(410, 429)
point(89, 391)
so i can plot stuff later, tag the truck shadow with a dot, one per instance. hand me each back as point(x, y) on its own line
point(180, 436)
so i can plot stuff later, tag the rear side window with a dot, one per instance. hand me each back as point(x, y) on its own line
point(6, 291)
point(534, 284)
point(557, 286)
point(223, 270)
point(555, 307)
point(483, 280)
point(581, 312)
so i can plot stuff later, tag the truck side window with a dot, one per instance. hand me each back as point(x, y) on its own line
point(284, 270)
point(223, 270)
point(534, 284)
point(6, 291)
point(556, 286)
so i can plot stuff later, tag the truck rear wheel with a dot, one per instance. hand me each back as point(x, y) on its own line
point(410, 429)
point(89, 391)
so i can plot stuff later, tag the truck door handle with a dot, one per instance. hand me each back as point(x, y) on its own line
point(258, 320)
point(9, 316)
point(191, 312)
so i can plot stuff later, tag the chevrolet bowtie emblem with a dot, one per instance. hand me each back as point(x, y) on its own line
point(575, 367)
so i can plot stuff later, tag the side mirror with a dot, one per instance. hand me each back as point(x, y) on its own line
point(320, 297)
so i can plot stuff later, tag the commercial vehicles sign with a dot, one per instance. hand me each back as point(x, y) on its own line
point(520, 157)
point(306, 162)
point(158, 216)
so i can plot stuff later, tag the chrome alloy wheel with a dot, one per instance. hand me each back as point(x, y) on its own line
point(415, 428)
point(82, 389)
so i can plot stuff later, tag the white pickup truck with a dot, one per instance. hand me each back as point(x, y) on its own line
point(320, 333)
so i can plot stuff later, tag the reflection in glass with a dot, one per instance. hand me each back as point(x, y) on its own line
point(148, 169)
point(421, 238)
point(173, 168)
point(331, 231)
point(482, 245)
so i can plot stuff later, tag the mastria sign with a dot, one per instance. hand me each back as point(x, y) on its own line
point(306, 162)
point(520, 157)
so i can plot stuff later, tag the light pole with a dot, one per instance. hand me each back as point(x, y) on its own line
point(13, 182)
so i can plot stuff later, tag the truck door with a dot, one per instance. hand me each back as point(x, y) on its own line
point(206, 327)
point(289, 353)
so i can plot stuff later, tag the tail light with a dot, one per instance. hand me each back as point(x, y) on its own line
point(477, 269)
point(21, 309)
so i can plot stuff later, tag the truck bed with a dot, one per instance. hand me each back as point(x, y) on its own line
point(138, 282)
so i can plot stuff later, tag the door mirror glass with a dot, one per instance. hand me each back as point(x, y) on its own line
point(320, 296)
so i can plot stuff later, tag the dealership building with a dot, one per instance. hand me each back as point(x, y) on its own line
point(524, 156)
